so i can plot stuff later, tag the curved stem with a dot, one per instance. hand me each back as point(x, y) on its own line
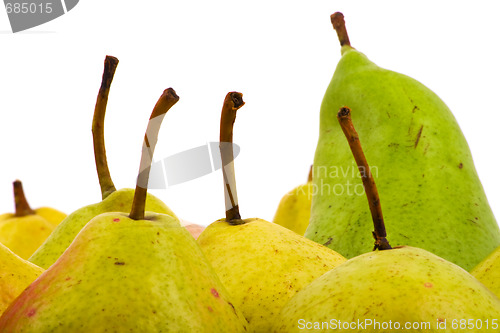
point(232, 102)
point(339, 26)
point(164, 103)
point(107, 186)
point(344, 118)
point(21, 204)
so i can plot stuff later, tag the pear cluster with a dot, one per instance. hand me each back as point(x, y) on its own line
point(127, 264)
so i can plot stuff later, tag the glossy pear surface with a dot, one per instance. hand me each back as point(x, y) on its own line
point(125, 275)
point(294, 209)
point(488, 271)
point(65, 232)
point(402, 285)
point(15, 275)
point(263, 264)
point(419, 159)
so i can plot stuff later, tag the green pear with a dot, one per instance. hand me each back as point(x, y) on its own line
point(112, 200)
point(412, 138)
point(390, 289)
point(136, 272)
point(24, 230)
point(294, 209)
point(488, 271)
point(262, 264)
point(15, 275)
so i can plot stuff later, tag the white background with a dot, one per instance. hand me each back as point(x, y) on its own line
point(280, 55)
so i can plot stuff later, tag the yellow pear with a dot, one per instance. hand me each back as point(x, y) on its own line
point(294, 209)
point(262, 264)
point(52, 215)
point(488, 271)
point(15, 275)
point(26, 229)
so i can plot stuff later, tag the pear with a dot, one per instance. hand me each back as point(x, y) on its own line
point(52, 215)
point(15, 275)
point(194, 229)
point(383, 291)
point(390, 289)
point(488, 271)
point(128, 272)
point(25, 230)
point(112, 199)
point(294, 209)
point(413, 139)
point(262, 264)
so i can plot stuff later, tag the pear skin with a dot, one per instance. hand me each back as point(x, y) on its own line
point(26, 229)
point(418, 156)
point(488, 271)
point(53, 216)
point(263, 264)
point(393, 287)
point(294, 209)
point(62, 236)
point(121, 274)
point(15, 275)
point(23, 235)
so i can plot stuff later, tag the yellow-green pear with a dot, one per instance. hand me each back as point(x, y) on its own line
point(24, 230)
point(390, 289)
point(15, 275)
point(262, 264)
point(128, 272)
point(112, 200)
point(413, 138)
point(488, 271)
point(405, 289)
point(294, 209)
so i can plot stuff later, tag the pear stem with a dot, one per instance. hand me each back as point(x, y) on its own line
point(344, 118)
point(107, 186)
point(338, 23)
point(21, 204)
point(232, 102)
point(164, 103)
point(310, 176)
